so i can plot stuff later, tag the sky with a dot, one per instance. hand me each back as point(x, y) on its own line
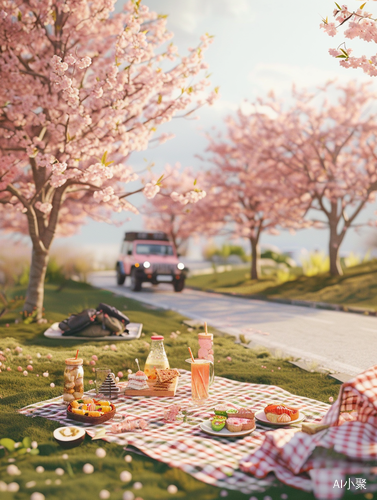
point(258, 46)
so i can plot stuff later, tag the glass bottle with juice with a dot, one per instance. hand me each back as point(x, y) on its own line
point(157, 358)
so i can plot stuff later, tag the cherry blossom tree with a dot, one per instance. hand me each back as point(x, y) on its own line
point(82, 88)
point(252, 188)
point(326, 141)
point(357, 23)
point(176, 214)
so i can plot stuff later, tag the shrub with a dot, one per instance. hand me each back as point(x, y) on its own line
point(315, 263)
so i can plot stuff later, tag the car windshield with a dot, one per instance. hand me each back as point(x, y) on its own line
point(152, 249)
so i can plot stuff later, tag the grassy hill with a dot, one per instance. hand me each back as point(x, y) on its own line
point(356, 288)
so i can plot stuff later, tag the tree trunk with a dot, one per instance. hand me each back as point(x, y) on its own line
point(35, 290)
point(255, 256)
point(334, 245)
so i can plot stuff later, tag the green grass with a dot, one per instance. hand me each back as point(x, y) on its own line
point(17, 391)
point(356, 288)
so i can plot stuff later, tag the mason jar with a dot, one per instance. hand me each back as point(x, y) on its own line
point(73, 380)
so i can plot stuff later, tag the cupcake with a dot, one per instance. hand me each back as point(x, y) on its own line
point(137, 381)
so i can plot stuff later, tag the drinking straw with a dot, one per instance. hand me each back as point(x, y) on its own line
point(77, 353)
point(192, 357)
point(137, 362)
point(205, 327)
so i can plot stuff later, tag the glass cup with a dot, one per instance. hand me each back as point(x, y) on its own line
point(202, 376)
point(101, 375)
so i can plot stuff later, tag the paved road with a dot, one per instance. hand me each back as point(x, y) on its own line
point(338, 341)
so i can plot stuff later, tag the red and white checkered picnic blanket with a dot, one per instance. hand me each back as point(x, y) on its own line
point(213, 460)
point(340, 455)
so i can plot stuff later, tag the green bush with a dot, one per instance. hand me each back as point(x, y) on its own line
point(224, 252)
point(279, 258)
point(315, 263)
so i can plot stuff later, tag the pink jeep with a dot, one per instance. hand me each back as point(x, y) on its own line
point(149, 257)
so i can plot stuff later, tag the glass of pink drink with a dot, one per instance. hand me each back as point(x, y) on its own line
point(202, 376)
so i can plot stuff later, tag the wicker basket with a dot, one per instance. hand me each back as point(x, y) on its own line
point(91, 420)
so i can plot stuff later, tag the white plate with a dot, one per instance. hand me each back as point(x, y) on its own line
point(263, 419)
point(207, 428)
point(161, 277)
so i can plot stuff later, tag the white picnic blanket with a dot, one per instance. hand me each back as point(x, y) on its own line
point(134, 329)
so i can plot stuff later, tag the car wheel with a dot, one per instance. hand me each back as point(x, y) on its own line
point(179, 285)
point(120, 277)
point(135, 282)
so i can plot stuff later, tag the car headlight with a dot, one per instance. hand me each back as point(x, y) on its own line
point(180, 266)
point(147, 264)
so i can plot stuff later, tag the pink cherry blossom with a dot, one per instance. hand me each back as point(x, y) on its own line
point(78, 97)
point(29, 367)
point(178, 214)
point(94, 357)
point(277, 169)
point(19, 368)
point(357, 23)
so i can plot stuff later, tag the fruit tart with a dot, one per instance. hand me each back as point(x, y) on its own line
point(281, 414)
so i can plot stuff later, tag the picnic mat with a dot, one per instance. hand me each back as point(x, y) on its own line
point(338, 459)
point(134, 332)
point(213, 460)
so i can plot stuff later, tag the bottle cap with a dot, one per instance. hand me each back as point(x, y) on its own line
point(157, 337)
point(74, 361)
point(205, 336)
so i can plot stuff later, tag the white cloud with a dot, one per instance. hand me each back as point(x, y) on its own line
point(280, 77)
point(189, 14)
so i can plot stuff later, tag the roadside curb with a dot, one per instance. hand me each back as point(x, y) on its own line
point(294, 302)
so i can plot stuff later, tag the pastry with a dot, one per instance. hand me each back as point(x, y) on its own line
point(281, 413)
point(234, 424)
point(223, 409)
point(247, 424)
point(244, 413)
point(137, 381)
point(167, 375)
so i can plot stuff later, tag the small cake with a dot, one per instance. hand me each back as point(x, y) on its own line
point(281, 413)
point(225, 410)
point(244, 413)
point(234, 424)
point(137, 381)
point(247, 423)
